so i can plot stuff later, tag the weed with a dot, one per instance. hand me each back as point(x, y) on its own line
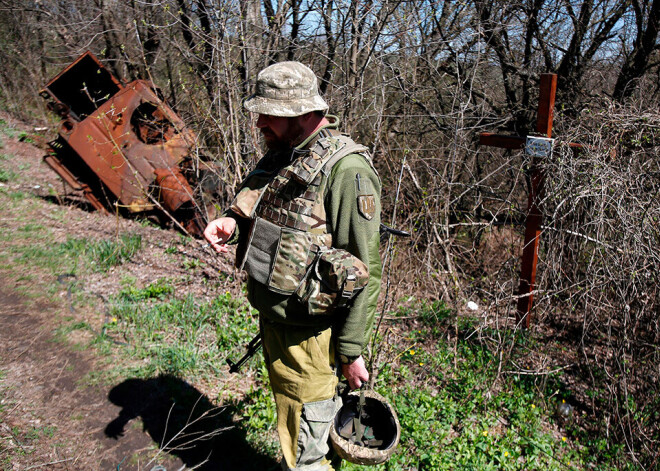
point(109, 253)
point(192, 263)
point(19, 195)
point(74, 245)
point(7, 176)
point(185, 240)
point(178, 359)
point(102, 254)
point(157, 290)
point(35, 433)
point(259, 417)
point(433, 313)
point(178, 335)
point(58, 258)
point(147, 222)
point(32, 227)
point(429, 313)
point(458, 412)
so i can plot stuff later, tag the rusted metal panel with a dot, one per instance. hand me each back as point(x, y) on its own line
point(175, 190)
point(122, 144)
point(80, 88)
point(64, 173)
point(127, 136)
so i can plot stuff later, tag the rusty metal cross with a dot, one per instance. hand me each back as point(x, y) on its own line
point(537, 148)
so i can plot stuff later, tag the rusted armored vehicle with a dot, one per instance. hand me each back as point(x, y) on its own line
point(124, 148)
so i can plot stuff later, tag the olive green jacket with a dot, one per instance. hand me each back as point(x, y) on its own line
point(349, 178)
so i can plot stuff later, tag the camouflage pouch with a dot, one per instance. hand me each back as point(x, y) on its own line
point(332, 281)
point(292, 257)
point(278, 257)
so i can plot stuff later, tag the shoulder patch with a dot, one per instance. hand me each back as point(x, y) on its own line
point(367, 206)
point(366, 200)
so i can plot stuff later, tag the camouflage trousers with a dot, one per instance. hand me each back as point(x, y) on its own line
point(300, 362)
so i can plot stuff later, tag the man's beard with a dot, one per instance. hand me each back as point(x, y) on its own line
point(292, 136)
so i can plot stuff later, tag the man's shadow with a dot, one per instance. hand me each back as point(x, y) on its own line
point(184, 423)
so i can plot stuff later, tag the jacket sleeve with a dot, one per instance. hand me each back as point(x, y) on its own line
point(353, 212)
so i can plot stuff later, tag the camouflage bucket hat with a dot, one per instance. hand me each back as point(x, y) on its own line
point(286, 89)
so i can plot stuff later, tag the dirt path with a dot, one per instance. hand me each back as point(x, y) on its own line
point(48, 418)
point(49, 421)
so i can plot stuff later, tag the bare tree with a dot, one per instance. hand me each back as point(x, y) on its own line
point(640, 59)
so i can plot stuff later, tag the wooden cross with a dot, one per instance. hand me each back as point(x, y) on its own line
point(548, 88)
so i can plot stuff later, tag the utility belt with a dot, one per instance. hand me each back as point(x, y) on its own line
point(302, 264)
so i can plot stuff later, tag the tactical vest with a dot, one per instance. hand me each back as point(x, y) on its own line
point(288, 248)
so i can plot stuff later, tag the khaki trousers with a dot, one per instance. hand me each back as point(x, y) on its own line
point(300, 362)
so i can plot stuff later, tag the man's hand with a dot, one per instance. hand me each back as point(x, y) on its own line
point(218, 232)
point(355, 373)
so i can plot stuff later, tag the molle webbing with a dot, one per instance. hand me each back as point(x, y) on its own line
point(289, 221)
point(309, 165)
point(279, 257)
point(287, 174)
point(283, 219)
point(290, 198)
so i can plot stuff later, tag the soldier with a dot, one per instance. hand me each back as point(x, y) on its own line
point(306, 222)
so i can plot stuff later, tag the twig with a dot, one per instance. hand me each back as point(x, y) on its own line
point(538, 373)
point(585, 237)
point(388, 259)
point(48, 464)
point(28, 347)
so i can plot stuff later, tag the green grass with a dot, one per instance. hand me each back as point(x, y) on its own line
point(23, 136)
point(456, 412)
point(113, 252)
point(160, 289)
point(462, 417)
point(6, 176)
point(259, 417)
point(35, 433)
point(451, 417)
point(30, 246)
point(15, 200)
point(167, 334)
point(66, 257)
point(151, 332)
